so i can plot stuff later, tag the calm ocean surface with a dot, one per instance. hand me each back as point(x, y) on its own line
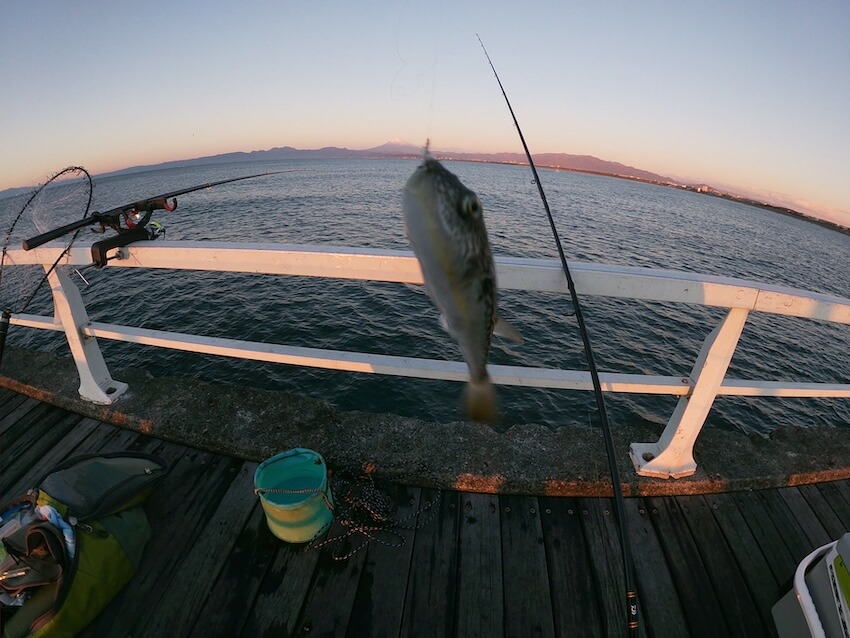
point(357, 203)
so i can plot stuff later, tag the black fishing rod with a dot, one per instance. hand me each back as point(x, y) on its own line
point(130, 222)
point(135, 217)
point(631, 589)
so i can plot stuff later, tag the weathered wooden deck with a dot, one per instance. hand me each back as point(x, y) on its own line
point(484, 566)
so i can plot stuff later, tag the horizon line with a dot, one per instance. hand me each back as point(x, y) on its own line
point(408, 150)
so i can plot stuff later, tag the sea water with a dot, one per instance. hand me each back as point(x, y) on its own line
point(357, 203)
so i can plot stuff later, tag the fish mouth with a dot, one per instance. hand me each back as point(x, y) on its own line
point(429, 166)
point(447, 181)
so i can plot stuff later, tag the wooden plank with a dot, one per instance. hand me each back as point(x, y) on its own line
point(6, 394)
point(838, 501)
point(27, 430)
point(86, 436)
point(30, 426)
point(329, 602)
point(329, 606)
point(575, 599)
point(263, 585)
point(282, 592)
point(98, 439)
point(843, 487)
point(34, 441)
point(379, 602)
point(130, 440)
point(739, 608)
point(528, 592)
point(106, 439)
point(702, 608)
point(14, 417)
point(479, 583)
point(659, 609)
point(9, 404)
point(230, 600)
point(807, 519)
point(22, 421)
point(795, 533)
point(603, 542)
point(430, 604)
point(57, 453)
point(751, 560)
point(123, 440)
point(31, 449)
point(177, 511)
point(834, 525)
point(767, 535)
point(185, 595)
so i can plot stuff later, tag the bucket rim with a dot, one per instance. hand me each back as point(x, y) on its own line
point(320, 489)
point(296, 451)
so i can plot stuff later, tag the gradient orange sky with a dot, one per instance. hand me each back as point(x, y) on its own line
point(752, 97)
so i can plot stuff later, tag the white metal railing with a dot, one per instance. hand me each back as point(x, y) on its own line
point(670, 456)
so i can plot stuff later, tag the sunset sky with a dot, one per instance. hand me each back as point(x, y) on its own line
point(747, 96)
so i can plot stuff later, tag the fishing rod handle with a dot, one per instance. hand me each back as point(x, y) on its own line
point(38, 240)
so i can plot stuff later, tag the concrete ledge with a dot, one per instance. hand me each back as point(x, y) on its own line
point(255, 424)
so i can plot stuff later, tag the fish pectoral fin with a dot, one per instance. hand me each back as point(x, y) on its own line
point(506, 330)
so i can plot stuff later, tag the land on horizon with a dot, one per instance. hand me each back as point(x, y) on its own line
point(403, 150)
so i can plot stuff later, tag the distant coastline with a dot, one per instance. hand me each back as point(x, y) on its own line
point(402, 150)
point(704, 189)
point(615, 170)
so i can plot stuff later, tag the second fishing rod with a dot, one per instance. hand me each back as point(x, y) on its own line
point(632, 622)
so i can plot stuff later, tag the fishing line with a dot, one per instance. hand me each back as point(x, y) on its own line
point(424, 53)
point(631, 590)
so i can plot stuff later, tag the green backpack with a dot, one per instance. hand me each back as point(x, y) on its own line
point(100, 497)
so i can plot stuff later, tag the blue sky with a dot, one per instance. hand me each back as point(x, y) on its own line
point(751, 96)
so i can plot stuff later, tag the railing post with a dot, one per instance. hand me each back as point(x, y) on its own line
point(96, 384)
point(673, 455)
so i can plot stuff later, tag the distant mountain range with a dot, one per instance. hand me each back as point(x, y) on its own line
point(561, 161)
point(399, 149)
point(404, 150)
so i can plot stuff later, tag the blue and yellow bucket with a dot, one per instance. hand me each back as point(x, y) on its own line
point(295, 495)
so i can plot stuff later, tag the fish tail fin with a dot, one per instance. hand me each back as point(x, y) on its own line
point(480, 401)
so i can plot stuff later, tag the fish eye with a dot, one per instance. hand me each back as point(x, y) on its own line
point(470, 205)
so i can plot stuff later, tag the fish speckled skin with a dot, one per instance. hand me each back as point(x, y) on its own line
point(445, 227)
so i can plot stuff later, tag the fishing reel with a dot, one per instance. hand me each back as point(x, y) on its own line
point(155, 230)
point(137, 226)
point(124, 238)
